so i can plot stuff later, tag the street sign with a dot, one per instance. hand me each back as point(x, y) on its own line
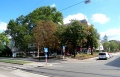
point(63, 47)
point(45, 49)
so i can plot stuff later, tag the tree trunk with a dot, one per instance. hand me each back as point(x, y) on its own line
point(75, 53)
point(38, 52)
point(91, 50)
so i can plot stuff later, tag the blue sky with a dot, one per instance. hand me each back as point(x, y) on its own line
point(103, 14)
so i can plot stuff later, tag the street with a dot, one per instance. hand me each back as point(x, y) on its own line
point(93, 68)
point(99, 68)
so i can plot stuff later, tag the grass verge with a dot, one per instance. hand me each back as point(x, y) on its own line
point(85, 56)
point(15, 61)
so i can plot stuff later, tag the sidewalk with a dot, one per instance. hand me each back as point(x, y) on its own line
point(51, 62)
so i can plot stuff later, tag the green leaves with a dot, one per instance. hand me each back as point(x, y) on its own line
point(75, 33)
point(4, 40)
point(111, 46)
point(46, 13)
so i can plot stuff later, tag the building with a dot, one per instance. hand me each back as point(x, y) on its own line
point(100, 47)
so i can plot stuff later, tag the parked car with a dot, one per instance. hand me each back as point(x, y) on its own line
point(110, 54)
point(104, 55)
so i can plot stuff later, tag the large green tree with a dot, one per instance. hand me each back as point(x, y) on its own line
point(44, 13)
point(21, 29)
point(74, 35)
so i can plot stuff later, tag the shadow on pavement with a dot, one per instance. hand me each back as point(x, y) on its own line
point(50, 60)
point(114, 63)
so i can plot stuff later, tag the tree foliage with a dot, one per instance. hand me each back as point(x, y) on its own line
point(106, 46)
point(42, 27)
point(21, 29)
point(4, 43)
point(45, 13)
point(92, 38)
point(4, 40)
point(43, 34)
point(111, 46)
point(77, 34)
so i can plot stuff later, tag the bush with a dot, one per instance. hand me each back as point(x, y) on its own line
point(84, 56)
point(6, 52)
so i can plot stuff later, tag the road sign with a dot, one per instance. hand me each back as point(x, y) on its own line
point(45, 49)
point(63, 47)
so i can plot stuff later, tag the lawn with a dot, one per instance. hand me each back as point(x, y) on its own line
point(14, 61)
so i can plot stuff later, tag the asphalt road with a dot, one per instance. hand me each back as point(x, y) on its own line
point(97, 68)
point(91, 68)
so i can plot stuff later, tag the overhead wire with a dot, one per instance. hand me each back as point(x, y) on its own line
point(85, 1)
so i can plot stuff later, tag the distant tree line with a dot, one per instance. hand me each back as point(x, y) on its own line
point(111, 46)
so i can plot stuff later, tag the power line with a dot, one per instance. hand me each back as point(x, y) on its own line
point(86, 2)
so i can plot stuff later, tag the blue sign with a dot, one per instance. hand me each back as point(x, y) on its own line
point(63, 47)
point(45, 49)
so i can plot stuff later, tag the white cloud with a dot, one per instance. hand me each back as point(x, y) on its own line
point(53, 5)
point(100, 18)
point(112, 34)
point(78, 16)
point(3, 26)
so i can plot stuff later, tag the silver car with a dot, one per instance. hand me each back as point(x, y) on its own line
point(104, 55)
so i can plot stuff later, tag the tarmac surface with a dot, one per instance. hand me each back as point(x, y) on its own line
point(42, 63)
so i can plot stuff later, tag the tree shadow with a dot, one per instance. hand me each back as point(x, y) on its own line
point(114, 63)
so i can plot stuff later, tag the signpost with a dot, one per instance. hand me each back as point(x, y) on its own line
point(46, 50)
point(64, 52)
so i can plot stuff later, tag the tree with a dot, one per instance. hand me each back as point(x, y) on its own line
point(21, 29)
point(4, 42)
point(114, 46)
point(106, 46)
point(45, 13)
point(74, 35)
point(43, 34)
point(92, 38)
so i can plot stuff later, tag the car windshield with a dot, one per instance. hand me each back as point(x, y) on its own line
point(101, 53)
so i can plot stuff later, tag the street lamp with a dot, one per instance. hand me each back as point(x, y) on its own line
point(87, 1)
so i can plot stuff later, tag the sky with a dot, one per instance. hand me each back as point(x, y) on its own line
point(103, 14)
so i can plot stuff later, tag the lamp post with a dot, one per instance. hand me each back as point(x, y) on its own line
point(87, 1)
